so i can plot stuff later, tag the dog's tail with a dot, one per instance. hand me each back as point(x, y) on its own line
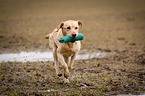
point(47, 36)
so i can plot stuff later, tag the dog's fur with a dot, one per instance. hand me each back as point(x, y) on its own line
point(65, 52)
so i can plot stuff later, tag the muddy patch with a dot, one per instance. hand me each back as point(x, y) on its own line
point(45, 56)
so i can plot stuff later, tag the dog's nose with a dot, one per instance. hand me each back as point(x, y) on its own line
point(74, 35)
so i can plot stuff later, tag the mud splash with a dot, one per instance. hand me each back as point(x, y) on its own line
point(45, 56)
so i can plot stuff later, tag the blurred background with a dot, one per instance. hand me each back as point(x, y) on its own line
point(107, 24)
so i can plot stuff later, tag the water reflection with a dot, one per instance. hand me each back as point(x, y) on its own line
point(45, 56)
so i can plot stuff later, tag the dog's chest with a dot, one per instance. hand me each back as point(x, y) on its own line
point(68, 53)
point(69, 49)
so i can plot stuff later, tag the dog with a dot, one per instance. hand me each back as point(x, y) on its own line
point(65, 52)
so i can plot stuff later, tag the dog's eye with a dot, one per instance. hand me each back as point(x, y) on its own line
point(76, 27)
point(68, 27)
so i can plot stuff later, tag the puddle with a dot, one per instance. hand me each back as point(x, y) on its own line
point(44, 56)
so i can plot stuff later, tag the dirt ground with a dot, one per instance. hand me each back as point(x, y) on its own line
point(108, 25)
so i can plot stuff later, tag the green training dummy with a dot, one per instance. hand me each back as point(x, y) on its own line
point(67, 38)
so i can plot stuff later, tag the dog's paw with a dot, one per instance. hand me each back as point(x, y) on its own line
point(66, 75)
point(71, 68)
point(58, 72)
point(66, 81)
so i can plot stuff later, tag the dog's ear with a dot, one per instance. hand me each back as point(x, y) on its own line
point(60, 25)
point(80, 23)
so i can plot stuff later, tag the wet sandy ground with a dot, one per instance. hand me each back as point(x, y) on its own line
point(109, 26)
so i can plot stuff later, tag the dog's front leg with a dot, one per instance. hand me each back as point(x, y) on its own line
point(56, 62)
point(67, 60)
point(72, 61)
point(63, 63)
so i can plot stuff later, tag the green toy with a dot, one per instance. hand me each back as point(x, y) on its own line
point(67, 38)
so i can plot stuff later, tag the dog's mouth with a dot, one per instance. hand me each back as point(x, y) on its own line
point(73, 38)
point(73, 35)
point(72, 41)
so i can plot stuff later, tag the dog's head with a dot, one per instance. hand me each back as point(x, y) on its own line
point(70, 27)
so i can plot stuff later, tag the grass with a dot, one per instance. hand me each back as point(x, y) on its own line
point(109, 78)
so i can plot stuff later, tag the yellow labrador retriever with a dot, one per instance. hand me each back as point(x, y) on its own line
point(65, 52)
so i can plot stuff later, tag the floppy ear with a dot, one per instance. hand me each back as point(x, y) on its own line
point(60, 25)
point(80, 23)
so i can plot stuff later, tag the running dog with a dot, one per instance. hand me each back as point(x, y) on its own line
point(65, 53)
